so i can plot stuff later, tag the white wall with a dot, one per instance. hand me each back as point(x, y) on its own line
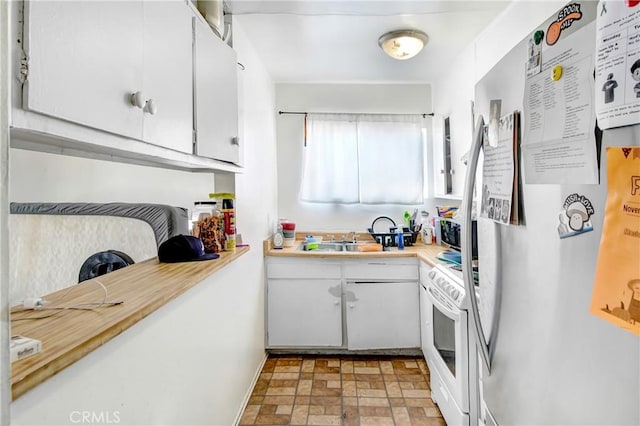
point(256, 188)
point(42, 177)
point(454, 91)
point(152, 374)
point(356, 98)
point(5, 71)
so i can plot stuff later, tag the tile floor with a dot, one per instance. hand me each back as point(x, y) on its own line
point(342, 390)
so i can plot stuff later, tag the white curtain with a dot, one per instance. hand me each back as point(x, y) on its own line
point(363, 158)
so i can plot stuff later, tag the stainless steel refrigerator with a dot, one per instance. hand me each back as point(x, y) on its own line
point(551, 361)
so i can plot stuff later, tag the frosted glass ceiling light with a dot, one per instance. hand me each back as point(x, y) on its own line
point(403, 44)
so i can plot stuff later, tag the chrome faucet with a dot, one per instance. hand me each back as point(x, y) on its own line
point(352, 236)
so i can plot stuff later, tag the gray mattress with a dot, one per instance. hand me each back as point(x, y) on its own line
point(166, 221)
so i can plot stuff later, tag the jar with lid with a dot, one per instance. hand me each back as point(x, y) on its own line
point(426, 231)
point(228, 218)
point(203, 209)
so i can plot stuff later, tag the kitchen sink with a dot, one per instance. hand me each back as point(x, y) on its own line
point(332, 246)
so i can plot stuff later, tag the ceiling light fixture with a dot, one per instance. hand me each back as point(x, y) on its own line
point(403, 44)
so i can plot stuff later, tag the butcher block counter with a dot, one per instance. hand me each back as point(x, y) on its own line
point(424, 252)
point(70, 334)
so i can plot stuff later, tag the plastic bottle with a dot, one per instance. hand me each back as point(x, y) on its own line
point(229, 214)
point(400, 238)
point(426, 232)
point(437, 231)
point(278, 237)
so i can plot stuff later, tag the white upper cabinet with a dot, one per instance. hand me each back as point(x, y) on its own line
point(216, 96)
point(168, 75)
point(87, 58)
point(116, 80)
point(84, 60)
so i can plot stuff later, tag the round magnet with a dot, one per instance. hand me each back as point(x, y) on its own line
point(556, 73)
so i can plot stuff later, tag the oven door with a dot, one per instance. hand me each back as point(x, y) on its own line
point(446, 343)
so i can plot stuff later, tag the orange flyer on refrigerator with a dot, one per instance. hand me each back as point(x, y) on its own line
point(616, 292)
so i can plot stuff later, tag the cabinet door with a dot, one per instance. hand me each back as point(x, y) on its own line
point(304, 313)
point(216, 96)
point(382, 315)
point(85, 59)
point(168, 74)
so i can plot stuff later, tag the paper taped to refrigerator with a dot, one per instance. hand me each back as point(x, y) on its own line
point(617, 64)
point(559, 144)
point(616, 292)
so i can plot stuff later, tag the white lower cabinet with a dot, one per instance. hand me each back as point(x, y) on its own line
point(304, 313)
point(307, 302)
point(382, 315)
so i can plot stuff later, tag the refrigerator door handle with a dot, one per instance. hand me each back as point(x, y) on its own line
point(466, 234)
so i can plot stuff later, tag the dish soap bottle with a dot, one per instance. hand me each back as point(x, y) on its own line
point(278, 237)
point(400, 238)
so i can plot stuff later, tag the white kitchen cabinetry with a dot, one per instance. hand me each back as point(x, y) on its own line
point(304, 303)
point(307, 302)
point(216, 96)
point(382, 304)
point(304, 313)
point(382, 315)
point(168, 75)
point(86, 59)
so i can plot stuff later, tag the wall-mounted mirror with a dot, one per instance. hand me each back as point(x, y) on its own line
point(446, 152)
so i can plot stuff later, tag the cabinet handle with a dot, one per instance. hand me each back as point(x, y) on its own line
point(235, 141)
point(151, 106)
point(137, 100)
point(336, 302)
point(351, 305)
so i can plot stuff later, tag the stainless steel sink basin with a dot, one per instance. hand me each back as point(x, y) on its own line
point(329, 247)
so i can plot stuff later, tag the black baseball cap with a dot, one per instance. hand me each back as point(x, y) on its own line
point(184, 248)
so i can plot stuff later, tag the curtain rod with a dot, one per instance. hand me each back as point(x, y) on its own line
point(431, 114)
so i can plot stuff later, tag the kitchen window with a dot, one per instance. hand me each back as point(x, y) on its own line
point(363, 158)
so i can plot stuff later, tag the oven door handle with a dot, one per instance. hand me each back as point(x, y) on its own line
point(450, 313)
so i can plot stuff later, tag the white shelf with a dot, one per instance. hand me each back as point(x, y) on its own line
point(120, 150)
point(456, 197)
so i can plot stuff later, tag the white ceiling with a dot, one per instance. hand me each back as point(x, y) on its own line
point(337, 41)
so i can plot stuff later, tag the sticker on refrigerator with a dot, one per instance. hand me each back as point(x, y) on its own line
point(617, 87)
point(616, 292)
point(575, 218)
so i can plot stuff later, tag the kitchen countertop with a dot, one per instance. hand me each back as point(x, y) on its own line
point(69, 335)
point(424, 252)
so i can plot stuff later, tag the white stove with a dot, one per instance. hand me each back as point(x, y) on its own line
point(448, 349)
point(446, 284)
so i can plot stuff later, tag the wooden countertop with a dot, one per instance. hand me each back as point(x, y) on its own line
point(69, 335)
point(423, 252)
